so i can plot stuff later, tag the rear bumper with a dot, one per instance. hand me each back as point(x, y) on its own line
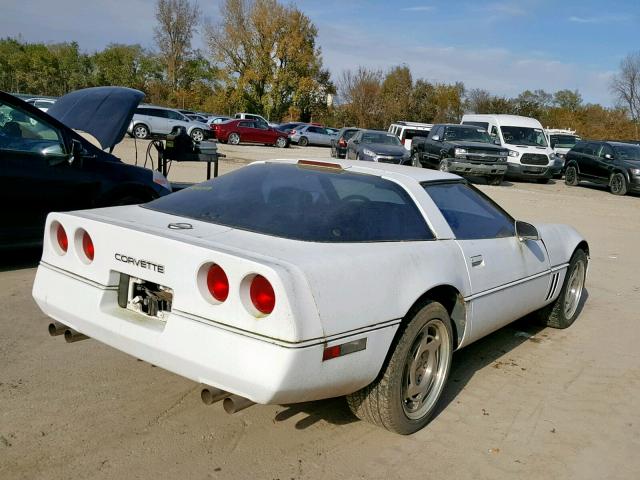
point(517, 170)
point(261, 369)
point(468, 168)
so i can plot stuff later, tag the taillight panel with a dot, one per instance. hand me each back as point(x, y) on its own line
point(59, 238)
point(83, 245)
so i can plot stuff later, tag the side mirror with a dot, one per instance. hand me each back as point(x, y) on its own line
point(525, 231)
point(608, 156)
point(436, 138)
point(496, 141)
point(55, 155)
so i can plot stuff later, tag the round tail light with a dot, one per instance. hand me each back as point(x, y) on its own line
point(87, 246)
point(217, 283)
point(262, 295)
point(61, 236)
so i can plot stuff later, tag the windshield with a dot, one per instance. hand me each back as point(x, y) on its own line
point(469, 134)
point(302, 203)
point(526, 136)
point(383, 138)
point(628, 152)
point(564, 141)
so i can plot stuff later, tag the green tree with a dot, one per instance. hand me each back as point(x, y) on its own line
point(567, 99)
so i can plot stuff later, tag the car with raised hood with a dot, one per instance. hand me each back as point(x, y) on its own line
point(614, 164)
point(377, 146)
point(461, 149)
point(57, 161)
point(530, 156)
point(239, 283)
point(235, 132)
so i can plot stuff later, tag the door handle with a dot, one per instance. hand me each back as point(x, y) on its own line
point(477, 261)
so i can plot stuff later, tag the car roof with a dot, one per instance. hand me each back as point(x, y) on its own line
point(505, 120)
point(389, 170)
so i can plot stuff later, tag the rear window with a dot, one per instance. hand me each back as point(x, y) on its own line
point(302, 203)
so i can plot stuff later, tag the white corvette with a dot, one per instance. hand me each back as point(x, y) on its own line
point(290, 281)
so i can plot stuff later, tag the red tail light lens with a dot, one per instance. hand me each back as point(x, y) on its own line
point(292, 132)
point(342, 142)
point(61, 236)
point(217, 283)
point(262, 295)
point(87, 246)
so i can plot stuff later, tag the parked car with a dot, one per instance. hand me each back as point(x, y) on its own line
point(253, 116)
point(194, 117)
point(43, 104)
point(530, 156)
point(217, 119)
point(243, 131)
point(405, 131)
point(377, 146)
point(461, 149)
point(287, 127)
point(47, 166)
point(264, 311)
point(615, 164)
point(305, 135)
point(159, 121)
point(339, 141)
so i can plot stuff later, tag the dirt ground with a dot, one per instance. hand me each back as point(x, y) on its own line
point(524, 402)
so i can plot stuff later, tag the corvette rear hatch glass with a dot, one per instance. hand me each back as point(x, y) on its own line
point(301, 203)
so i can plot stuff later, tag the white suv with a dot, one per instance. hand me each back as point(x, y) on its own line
point(255, 117)
point(150, 120)
point(405, 131)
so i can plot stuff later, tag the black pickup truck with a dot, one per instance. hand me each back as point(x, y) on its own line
point(460, 149)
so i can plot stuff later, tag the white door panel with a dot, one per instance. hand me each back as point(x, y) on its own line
point(509, 279)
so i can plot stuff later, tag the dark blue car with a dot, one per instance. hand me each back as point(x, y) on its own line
point(46, 165)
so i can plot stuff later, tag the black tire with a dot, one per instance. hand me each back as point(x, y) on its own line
point(543, 181)
point(444, 165)
point(415, 160)
point(387, 402)
point(618, 184)
point(141, 131)
point(303, 142)
point(197, 135)
point(556, 314)
point(495, 180)
point(281, 142)
point(233, 138)
point(571, 177)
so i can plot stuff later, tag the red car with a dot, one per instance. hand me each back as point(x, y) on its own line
point(236, 131)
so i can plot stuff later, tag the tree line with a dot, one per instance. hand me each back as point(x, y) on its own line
point(261, 56)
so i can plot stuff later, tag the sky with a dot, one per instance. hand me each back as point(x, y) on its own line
point(502, 46)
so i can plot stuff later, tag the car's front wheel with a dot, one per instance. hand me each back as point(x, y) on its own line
point(618, 184)
point(562, 312)
point(197, 135)
point(140, 131)
point(406, 393)
point(415, 160)
point(496, 179)
point(444, 165)
point(571, 176)
point(281, 142)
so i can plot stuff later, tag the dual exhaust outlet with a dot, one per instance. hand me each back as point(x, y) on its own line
point(70, 335)
point(209, 395)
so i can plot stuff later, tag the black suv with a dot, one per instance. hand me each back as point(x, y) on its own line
point(615, 164)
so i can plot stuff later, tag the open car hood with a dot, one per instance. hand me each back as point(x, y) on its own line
point(104, 112)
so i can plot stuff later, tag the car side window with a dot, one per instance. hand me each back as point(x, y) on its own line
point(470, 214)
point(605, 150)
point(156, 112)
point(21, 131)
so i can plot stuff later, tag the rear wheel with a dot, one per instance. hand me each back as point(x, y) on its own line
point(303, 142)
point(234, 139)
point(141, 131)
point(618, 184)
point(562, 312)
point(405, 395)
point(571, 176)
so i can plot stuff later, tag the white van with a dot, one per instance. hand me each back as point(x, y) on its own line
point(530, 155)
point(405, 131)
point(562, 140)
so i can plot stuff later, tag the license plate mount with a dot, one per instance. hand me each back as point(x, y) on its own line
point(145, 297)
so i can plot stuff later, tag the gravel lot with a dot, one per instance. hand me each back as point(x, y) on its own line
point(524, 402)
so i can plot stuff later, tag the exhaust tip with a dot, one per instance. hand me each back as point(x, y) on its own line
point(211, 395)
point(57, 328)
point(235, 403)
point(71, 336)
